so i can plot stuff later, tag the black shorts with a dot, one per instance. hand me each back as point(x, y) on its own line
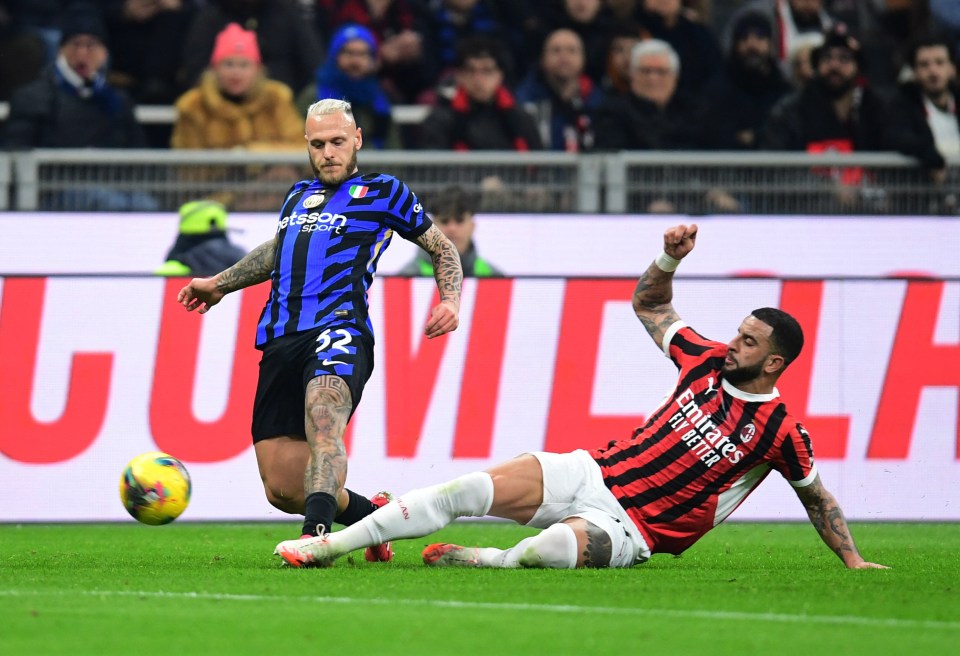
point(290, 362)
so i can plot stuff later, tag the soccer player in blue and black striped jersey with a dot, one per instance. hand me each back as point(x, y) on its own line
point(711, 442)
point(316, 337)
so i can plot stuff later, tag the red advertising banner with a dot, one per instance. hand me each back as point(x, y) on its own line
point(94, 370)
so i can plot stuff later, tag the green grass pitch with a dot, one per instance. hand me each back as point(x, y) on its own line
point(746, 588)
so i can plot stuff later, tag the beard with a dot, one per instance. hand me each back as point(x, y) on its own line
point(335, 179)
point(743, 374)
point(756, 63)
point(835, 86)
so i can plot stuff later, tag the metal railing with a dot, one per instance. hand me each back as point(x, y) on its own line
point(625, 182)
point(775, 183)
point(6, 179)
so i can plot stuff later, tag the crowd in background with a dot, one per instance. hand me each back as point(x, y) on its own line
point(563, 75)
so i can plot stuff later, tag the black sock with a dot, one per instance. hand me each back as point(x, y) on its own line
point(357, 508)
point(320, 511)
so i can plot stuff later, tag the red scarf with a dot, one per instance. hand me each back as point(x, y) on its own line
point(507, 110)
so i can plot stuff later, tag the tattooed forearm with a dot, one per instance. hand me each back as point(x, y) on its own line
point(446, 264)
point(654, 288)
point(328, 408)
point(255, 267)
point(599, 548)
point(827, 518)
point(651, 301)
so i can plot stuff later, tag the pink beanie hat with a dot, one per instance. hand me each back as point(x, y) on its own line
point(234, 41)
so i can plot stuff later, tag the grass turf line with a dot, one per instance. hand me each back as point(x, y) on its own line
point(216, 588)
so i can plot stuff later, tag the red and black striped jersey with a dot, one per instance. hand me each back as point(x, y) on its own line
point(703, 450)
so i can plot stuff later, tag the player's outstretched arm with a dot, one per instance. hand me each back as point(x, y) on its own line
point(827, 517)
point(653, 295)
point(255, 267)
point(448, 272)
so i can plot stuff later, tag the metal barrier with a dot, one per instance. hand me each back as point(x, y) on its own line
point(775, 183)
point(6, 165)
point(151, 180)
point(626, 182)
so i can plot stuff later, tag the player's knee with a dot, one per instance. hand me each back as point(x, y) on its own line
point(470, 495)
point(554, 547)
point(284, 499)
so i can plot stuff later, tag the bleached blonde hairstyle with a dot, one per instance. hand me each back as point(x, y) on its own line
point(330, 106)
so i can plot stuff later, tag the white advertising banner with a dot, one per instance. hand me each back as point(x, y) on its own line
point(524, 245)
point(95, 370)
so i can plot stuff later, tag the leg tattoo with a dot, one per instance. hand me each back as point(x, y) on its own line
point(328, 406)
point(599, 549)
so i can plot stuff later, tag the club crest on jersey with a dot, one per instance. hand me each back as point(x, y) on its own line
point(358, 191)
point(748, 433)
point(313, 201)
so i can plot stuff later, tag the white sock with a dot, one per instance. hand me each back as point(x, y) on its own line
point(419, 512)
point(554, 547)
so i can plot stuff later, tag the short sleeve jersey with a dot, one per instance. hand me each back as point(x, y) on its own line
point(329, 241)
point(703, 450)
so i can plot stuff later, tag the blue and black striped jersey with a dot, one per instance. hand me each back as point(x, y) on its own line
point(329, 240)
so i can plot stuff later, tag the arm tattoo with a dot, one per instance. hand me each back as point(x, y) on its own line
point(328, 406)
point(446, 263)
point(599, 549)
point(652, 302)
point(255, 267)
point(827, 517)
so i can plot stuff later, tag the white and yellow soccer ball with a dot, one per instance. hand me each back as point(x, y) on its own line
point(155, 488)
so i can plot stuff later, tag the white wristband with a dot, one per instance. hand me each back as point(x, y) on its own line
point(666, 263)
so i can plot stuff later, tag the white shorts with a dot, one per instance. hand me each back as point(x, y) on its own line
point(573, 487)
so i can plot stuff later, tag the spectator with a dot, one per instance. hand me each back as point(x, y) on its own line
point(790, 20)
point(835, 112)
point(235, 104)
point(145, 41)
point(350, 73)
point(482, 114)
point(202, 248)
point(653, 116)
point(924, 120)
point(453, 210)
point(453, 21)
point(799, 68)
point(743, 93)
point(623, 38)
point(291, 50)
point(559, 96)
point(695, 45)
point(37, 19)
point(71, 105)
point(592, 23)
point(23, 48)
point(398, 26)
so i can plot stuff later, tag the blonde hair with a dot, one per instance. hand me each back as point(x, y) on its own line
point(330, 106)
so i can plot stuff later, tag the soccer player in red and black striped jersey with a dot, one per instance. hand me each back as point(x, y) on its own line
point(315, 333)
point(709, 444)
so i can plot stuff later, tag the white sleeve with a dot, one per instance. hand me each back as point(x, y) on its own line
point(806, 480)
point(668, 336)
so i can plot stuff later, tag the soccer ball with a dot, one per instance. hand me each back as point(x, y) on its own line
point(155, 488)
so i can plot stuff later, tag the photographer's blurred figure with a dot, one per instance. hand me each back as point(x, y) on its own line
point(452, 210)
point(202, 247)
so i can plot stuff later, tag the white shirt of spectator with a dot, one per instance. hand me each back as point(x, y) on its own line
point(943, 124)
